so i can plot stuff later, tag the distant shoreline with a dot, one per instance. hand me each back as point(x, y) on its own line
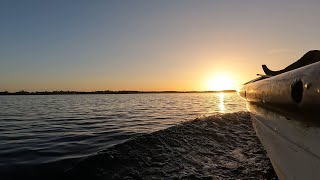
point(105, 92)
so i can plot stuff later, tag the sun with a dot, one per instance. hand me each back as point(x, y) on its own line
point(220, 83)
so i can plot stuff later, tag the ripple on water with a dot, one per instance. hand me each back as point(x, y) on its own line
point(40, 130)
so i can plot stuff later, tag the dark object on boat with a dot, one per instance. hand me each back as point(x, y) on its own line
point(309, 58)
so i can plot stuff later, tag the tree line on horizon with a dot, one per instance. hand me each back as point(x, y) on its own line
point(22, 92)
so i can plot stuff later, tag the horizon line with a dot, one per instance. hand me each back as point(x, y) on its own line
point(23, 92)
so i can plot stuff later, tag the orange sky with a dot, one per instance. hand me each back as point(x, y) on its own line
point(165, 45)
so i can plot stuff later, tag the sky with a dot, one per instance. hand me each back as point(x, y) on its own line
point(149, 45)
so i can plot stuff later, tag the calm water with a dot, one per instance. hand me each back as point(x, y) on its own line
point(43, 130)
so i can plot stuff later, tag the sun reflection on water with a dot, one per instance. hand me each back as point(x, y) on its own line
point(221, 102)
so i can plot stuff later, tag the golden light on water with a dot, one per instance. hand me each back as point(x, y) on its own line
point(221, 82)
point(221, 102)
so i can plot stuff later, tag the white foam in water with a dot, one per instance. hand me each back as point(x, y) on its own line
point(217, 147)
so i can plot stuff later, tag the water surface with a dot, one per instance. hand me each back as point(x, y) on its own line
point(39, 131)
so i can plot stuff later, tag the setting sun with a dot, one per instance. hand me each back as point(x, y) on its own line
point(220, 83)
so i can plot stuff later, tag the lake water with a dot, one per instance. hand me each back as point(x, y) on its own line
point(53, 132)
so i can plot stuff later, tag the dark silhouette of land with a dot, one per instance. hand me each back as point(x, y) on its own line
point(22, 92)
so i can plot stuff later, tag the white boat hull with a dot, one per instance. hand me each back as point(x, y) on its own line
point(293, 147)
point(285, 114)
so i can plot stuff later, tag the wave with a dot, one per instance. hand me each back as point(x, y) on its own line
point(222, 146)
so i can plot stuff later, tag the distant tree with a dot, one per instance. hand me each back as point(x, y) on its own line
point(4, 92)
point(22, 92)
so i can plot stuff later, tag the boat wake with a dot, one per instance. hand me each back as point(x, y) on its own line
point(222, 146)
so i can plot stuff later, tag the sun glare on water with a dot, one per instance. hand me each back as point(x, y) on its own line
point(220, 83)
